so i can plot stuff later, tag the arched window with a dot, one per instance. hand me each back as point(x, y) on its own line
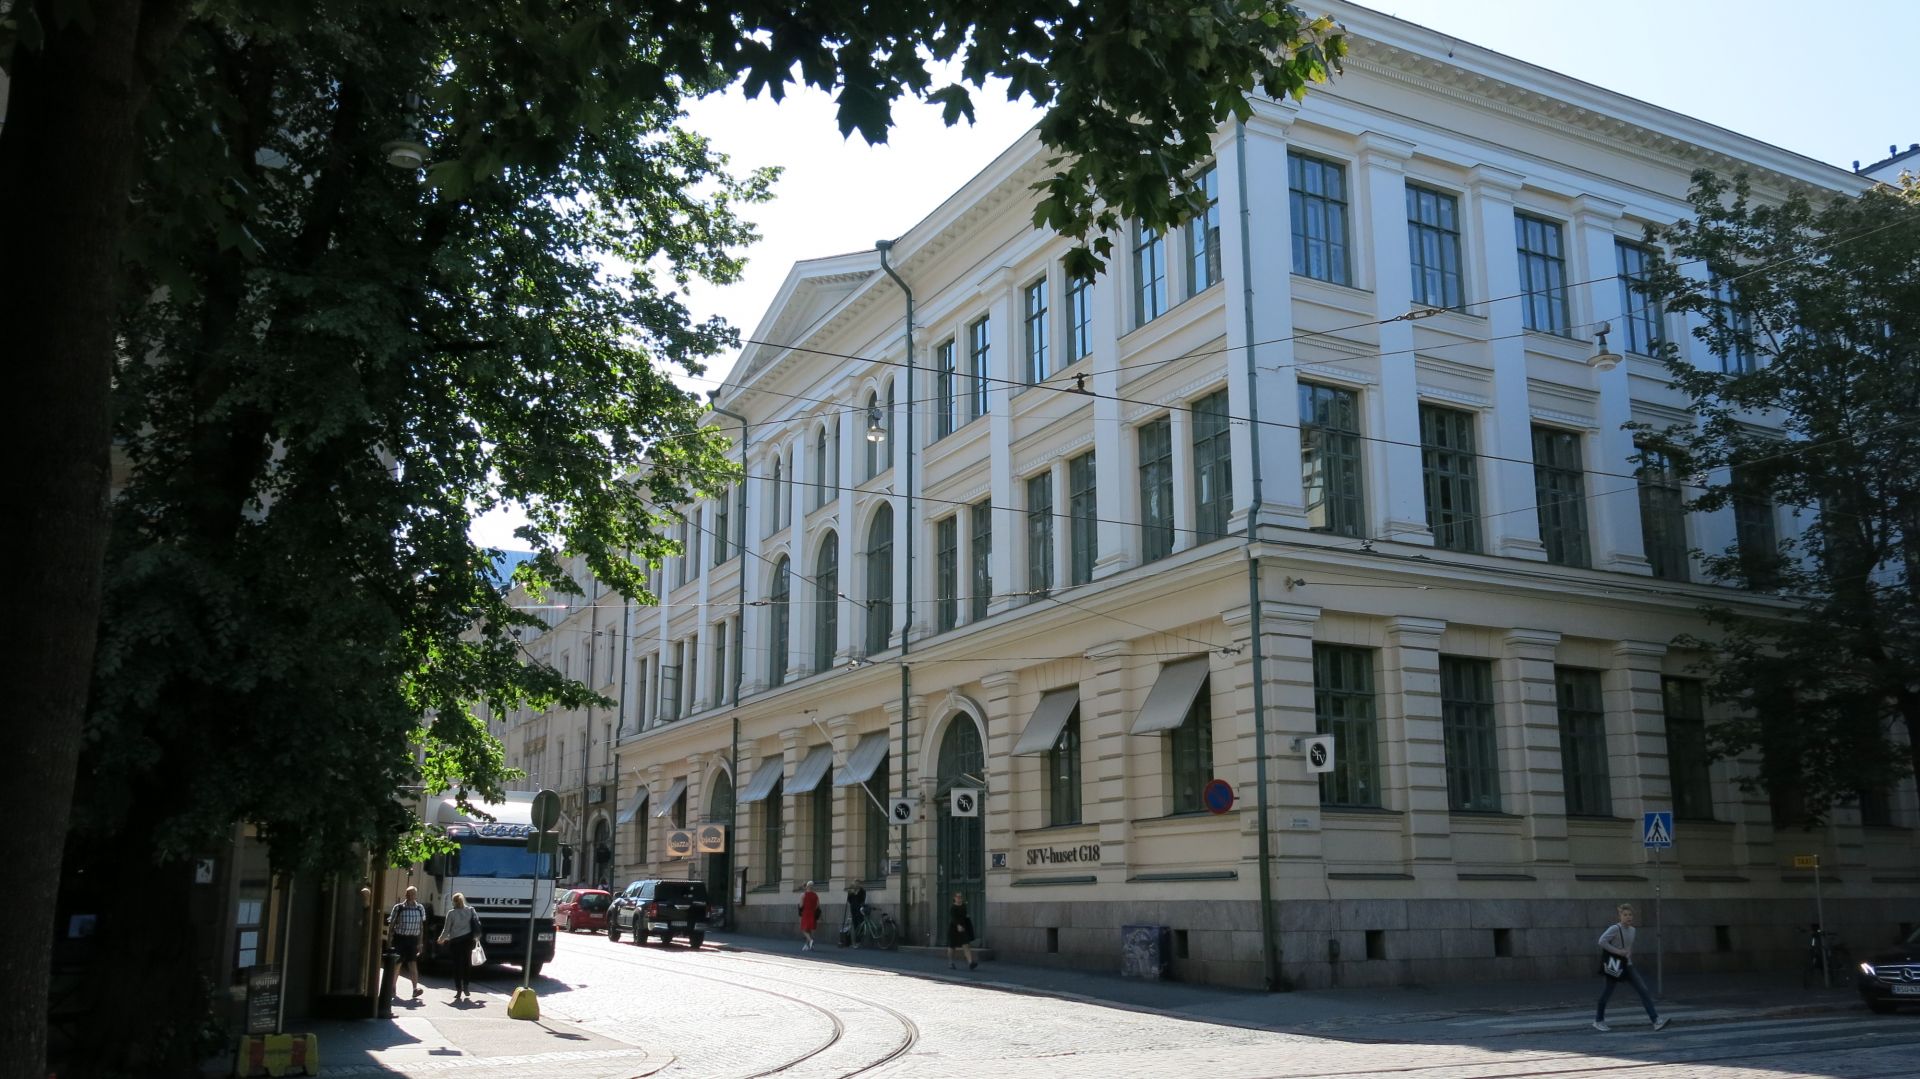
point(873, 448)
point(826, 592)
point(880, 580)
point(776, 498)
point(886, 421)
point(820, 472)
point(777, 633)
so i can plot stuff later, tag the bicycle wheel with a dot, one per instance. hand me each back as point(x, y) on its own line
point(889, 935)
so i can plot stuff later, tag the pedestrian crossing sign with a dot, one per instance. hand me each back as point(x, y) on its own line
point(1656, 830)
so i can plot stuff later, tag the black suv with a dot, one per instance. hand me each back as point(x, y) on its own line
point(1891, 977)
point(660, 908)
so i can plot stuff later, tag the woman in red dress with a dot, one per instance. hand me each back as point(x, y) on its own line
point(809, 915)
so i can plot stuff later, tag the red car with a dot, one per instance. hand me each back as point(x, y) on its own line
point(582, 908)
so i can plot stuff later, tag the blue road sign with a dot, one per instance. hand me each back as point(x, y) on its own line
point(1656, 830)
point(1217, 796)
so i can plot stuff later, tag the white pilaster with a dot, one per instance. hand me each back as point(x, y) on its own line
point(1613, 503)
point(1508, 526)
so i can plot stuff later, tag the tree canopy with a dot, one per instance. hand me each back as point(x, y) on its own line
point(1813, 311)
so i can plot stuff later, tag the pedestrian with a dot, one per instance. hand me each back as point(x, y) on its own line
point(405, 921)
point(1616, 964)
point(809, 915)
point(457, 935)
point(959, 932)
point(856, 911)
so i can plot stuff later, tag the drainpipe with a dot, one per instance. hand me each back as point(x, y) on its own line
point(740, 528)
point(733, 829)
point(619, 732)
point(906, 629)
point(1269, 954)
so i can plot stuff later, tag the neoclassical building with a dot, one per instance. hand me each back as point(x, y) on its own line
point(1074, 572)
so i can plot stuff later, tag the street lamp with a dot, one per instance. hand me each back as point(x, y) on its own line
point(408, 152)
point(876, 428)
point(1602, 358)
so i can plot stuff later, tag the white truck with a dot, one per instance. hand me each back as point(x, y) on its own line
point(502, 880)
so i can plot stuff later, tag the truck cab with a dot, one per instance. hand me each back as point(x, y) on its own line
point(510, 887)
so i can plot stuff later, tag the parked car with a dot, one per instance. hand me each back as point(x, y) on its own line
point(1891, 977)
point(660, 908)
point(582, 908)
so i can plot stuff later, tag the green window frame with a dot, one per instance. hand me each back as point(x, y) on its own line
point(980, 516)
point(1203, 237)
point(1330, 465)
point(1083, 508)
point(1039, 536)
point(778, 628)
point(1433, 243)
point(1149, 274)
point(826, 594)
point(1470, 729)
point(1583, 742)
point(1732, 317)
point(1062, 762)
point(1190, 747)
point(878, 824)
point(822, 813)
point(1212, 466)
point(1663, 515)
point(773, 830)
point(1343, 706)
point(722, 527)
point(1541, 247)
point(1689, 764)
point(1560, 495)
point(1156, 488)
point(1640, 312)
point(979, 360)
point(1317, 200)
point(1450, 468)
point(1034, 303)
point(945, 385)
point(1079, 318)
point(879, 608)
point(946, 556)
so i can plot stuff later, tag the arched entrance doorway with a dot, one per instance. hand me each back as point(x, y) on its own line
point(719, 867)
point(960, 841)
point(602, 853)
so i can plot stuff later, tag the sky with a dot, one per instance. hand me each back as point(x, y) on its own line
point(1826, 81)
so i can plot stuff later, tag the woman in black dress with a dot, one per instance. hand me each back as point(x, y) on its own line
point(959, 932)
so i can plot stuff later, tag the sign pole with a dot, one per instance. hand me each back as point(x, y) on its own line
point(1659, 926)
point(1820, 919)
point(533, 899)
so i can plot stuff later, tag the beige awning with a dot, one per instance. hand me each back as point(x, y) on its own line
point(633, 807)
point(867, 754)
point(812, 770)
point(674, 794)
point(1172, 695)
point(1048, 720)
point(763, 781)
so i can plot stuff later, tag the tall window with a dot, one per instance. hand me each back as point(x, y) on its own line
point(944, 385)
point(722, 527)
point(1079, 317)
point(1560, 494)
point(1317, 193)
point(1191, 747)
point(1687, 757)
point(886, 420)
point(826, 608)
point(1754, 532)
point(1640, 311)
point(1063, 774)
point(719, 668)
point(1034, 306)
point(1583, 743)
point(1472, 738)
point(776, 497)
point(1452, 480)
point(1156, 489)
point(1083, 509)
point(669, 688)
point(1149, 274)
point(1039, 535)
point(1212, 466)
point(1203, 238)
point(777, 609)
point(823, 470)
point(880, 580)
point(979, 344)
point(1663, 515)
point(1731, 318)
point(773, 813)
point(873, 448)
point(878, 794)
point(946, 560)
point(1543, 274)
point(1330, 459)
point(1343, 707)
point(822, 799)
point(1433, 241)
point(980, 516)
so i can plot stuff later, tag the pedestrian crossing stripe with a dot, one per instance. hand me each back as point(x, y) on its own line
point(1658, 830)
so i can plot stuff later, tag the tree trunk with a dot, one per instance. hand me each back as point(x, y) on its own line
point(67, 155)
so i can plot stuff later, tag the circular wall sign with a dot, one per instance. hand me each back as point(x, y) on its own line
point(1217, 796)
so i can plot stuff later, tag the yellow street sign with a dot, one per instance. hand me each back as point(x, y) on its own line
point(1806, 861)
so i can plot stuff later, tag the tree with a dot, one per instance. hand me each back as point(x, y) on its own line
point(1814, 314)
point(321, 368)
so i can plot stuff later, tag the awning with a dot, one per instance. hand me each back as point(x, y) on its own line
point(674, 793)
point(763, 780)
point(1049, 719)
point(867, 754)
point(633, 807)
point(812, 770)
point(1172, 695)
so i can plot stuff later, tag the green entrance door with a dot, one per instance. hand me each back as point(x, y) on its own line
point(719, 868)
point(961, 841)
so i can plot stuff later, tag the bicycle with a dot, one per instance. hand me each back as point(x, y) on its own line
point(877, 929)
point(1828, 960)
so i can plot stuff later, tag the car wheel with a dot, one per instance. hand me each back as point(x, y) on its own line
point(1883, 1007)
point(694, 940)
point(613, 933)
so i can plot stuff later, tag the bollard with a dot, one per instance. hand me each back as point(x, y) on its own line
point(389, 975)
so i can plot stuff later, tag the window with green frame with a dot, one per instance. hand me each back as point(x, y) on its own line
point(822, 799)
point(1468, 726)
point(1640, 311)
point(1034, 307)
point(1083, 508)
point(1062, 763)
point(1756, 538)
point(1433, 240)
point(946, 560)
point(945, 386)
point(773, 832)
point(1156, 488)
point(1079, 317)
point(1688, 762)
point(1543, 274)
point(1330, 465)
point(1190, 745)
point(1343, 707)
point(1583, 743)
point(1560, 495)
point(879, 609)
point(1039, 536)
point(1663, 515)
point(1212, 466)
point(826, 607)
point(1452, 477)
point(1317, 197)
point(980, 515)
point(778, 612)
point(876, 798)
point(979, 346)
point(1203, 237)
point(1149, 274)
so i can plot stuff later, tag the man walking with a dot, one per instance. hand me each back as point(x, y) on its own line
point(1616, 964)
point(406, 921)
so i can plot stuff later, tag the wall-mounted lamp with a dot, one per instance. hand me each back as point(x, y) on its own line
point(876, 427)
point(1603, 359)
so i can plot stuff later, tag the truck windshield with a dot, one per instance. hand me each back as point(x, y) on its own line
point(504, 861)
